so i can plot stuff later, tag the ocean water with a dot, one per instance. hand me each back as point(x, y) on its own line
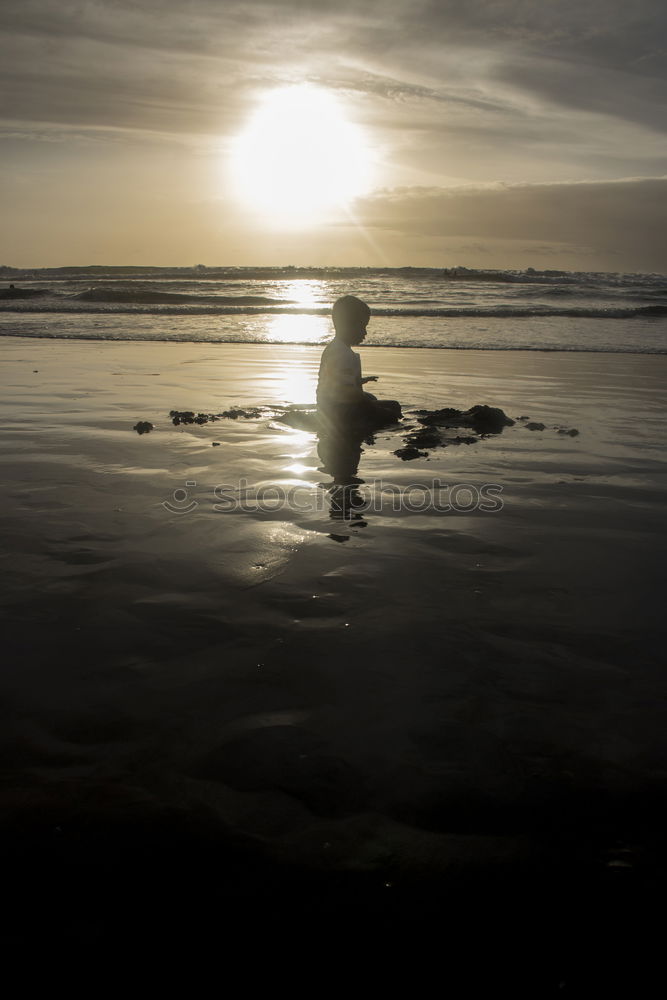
point(411, 307)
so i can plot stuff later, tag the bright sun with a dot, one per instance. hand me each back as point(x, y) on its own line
point(300, 160)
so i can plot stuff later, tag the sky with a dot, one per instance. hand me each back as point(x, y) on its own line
point(493, 133)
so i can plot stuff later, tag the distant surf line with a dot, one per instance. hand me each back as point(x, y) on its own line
point(499, 312)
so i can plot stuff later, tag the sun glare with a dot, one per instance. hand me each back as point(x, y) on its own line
point(300, 161)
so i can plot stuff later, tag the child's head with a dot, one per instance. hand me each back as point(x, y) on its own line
point(350, 318)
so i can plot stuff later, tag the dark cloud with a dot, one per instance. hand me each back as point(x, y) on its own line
point(568, 52)
point(603, 32)
point(148, 24)
point(606, 217)
point(616, 93)
point(598, 55)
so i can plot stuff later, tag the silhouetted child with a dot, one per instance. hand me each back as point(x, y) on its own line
point(340, 396)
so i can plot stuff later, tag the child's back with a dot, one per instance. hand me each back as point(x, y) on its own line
point(339, 379)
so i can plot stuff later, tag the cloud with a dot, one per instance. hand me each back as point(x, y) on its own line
point(601, 32)
point(592, 54)
point(449, 92)
point(627, 216)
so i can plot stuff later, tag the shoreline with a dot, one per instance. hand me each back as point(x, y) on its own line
point(319, 346)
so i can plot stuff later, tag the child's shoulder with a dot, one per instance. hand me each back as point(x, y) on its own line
point(336, 345)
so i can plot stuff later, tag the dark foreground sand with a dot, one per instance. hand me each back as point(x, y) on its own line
point(443, 726)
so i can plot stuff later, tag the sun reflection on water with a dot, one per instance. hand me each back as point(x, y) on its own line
point(295, 379)
point(298, 329)
point(298, 468)
point(306, 292)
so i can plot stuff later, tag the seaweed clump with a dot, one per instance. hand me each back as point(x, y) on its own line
point(481, 419)
point(190, 417)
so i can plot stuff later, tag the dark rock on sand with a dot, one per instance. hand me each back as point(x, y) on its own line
point(427, 437)
point(143, 427)
point(534, 426)
point(190, 417)
point(290, 760)
point(409, 452)
point(249, 413)
point(571, 432)
point(182, 417)
point(481, 418)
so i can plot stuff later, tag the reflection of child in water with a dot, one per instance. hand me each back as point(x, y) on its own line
point(339, 387)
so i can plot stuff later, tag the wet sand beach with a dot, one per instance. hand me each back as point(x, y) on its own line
point(391, 713)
